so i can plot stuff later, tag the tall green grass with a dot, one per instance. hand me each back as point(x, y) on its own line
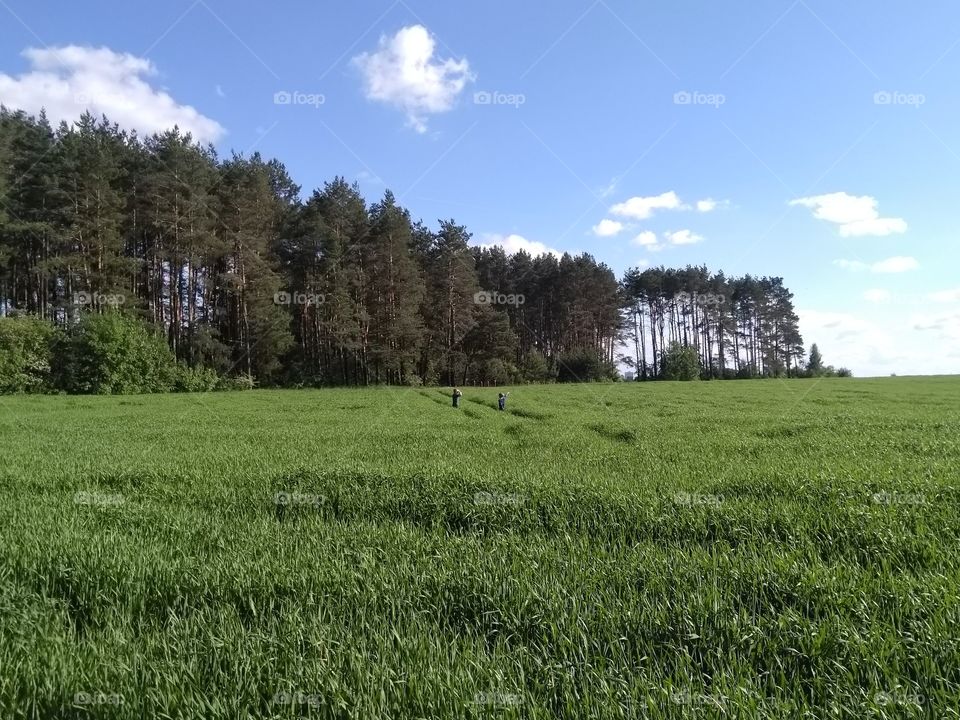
point(755, 550)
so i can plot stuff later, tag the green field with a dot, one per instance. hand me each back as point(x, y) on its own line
point(760, 549)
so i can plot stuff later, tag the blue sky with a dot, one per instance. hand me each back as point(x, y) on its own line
point(825, 133)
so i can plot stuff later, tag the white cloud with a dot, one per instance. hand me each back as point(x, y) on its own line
point(884, 343)
point(368, 177)
point(645, 239)
point(642, 263)
point(946, 327)
point(856, 216)
point(607, 228)
point(850, 341)
point(641, 208)
point(683, 237)
point(404, 73)
point(855, 265)
point(66, 81)
point(875, 227)
point(876, 295)
point(897, 264)
point(946, 296)
point(513, 244)
point(709, 205)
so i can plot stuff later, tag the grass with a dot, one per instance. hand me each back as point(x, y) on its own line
point(743, 549)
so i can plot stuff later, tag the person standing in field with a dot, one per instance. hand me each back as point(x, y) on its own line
point(456, 397)
point(502, 401)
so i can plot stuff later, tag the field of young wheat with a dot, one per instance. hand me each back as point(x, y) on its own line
point(760, 549)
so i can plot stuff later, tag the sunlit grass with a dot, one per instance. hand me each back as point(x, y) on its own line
point(741, 549)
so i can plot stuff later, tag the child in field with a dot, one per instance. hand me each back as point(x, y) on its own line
point(456, 397)
point(502, 401)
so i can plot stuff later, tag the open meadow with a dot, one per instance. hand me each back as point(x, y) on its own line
point(763, 549)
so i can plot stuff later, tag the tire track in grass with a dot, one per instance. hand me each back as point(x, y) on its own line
point(441, 399)
point(522, 413)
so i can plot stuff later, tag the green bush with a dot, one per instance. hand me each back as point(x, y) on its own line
point(681, 363)
point(114, 354)
point(195, 379)
point(238, 382)
point(25, 354)
point(536, 368)
point(584, 366)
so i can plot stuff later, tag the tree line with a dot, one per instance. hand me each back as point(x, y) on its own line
point(244, 276)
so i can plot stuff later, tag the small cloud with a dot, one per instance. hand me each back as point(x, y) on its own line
point(645, 239)
point(877, 295)
point(709, 205)
point(856, 216)
point(404, 73)
point(854, 265)
point(368, 177)
point(607, 228)
point(896, 264)
point(513, 244)
point(945, 296)
point(642, 263)
point(641, 208)
point(683, 237)
point(220, 92)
